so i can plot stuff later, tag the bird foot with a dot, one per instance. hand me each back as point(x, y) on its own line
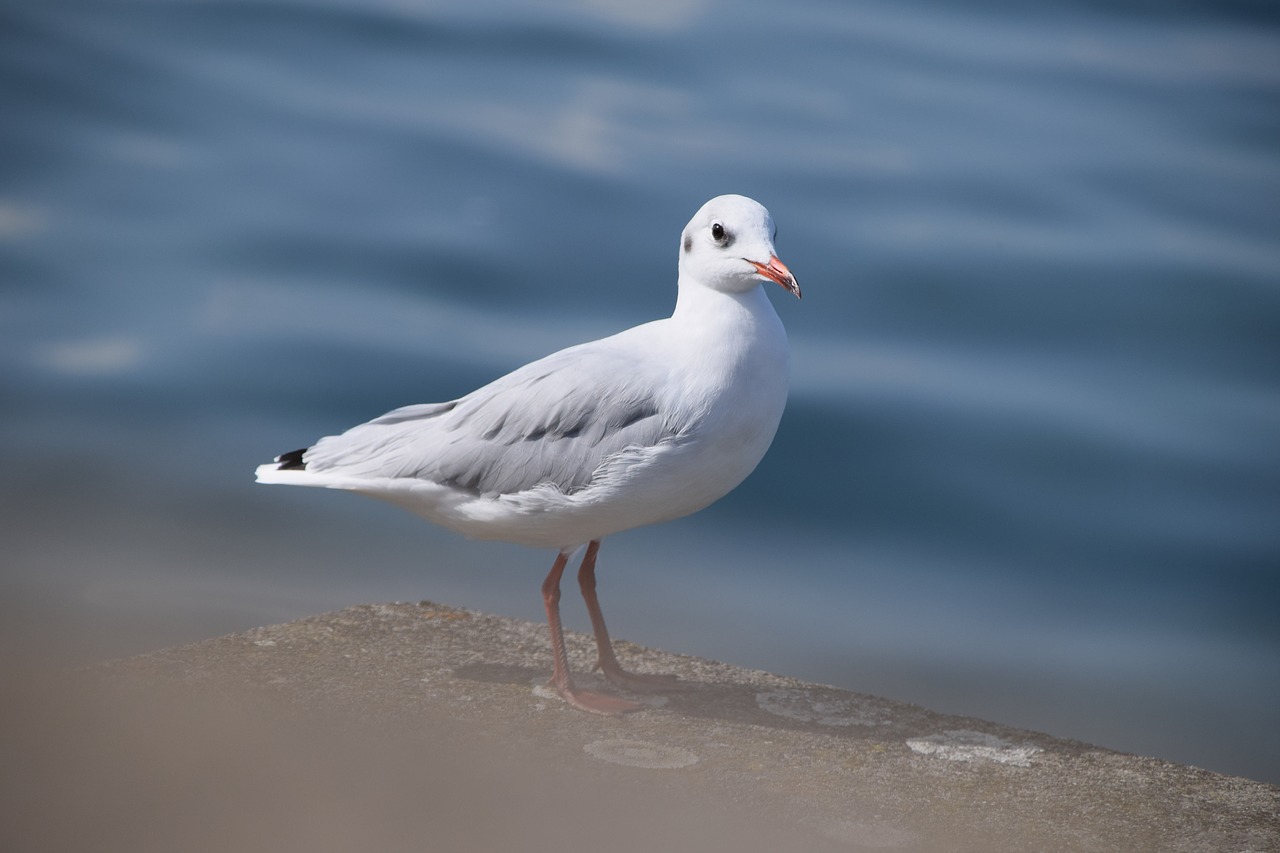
point(638, 682)
point(595, 703)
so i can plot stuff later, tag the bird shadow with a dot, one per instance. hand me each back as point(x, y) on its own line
point(810, 708)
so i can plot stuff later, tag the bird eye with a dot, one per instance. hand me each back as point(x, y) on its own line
point(717, 232)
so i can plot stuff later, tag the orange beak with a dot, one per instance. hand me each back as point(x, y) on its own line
point(777, 271)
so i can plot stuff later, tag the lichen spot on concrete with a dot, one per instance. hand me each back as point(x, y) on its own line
point(641, 753)
point(965, 745)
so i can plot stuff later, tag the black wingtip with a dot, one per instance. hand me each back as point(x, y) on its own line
point(292, 461)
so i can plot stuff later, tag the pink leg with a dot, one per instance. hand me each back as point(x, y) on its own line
point(585, 700)
point(606, 661)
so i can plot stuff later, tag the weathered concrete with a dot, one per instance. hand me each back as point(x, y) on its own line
point(420, 726)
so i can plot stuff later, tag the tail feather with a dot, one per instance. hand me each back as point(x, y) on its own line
point(292, 461)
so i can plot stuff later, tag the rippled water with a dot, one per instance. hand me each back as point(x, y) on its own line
point(1030, 469)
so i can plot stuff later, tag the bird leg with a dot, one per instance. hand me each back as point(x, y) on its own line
point(606, 662)
point(585, 700)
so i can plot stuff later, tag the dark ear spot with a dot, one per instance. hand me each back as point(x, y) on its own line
point(688, 242)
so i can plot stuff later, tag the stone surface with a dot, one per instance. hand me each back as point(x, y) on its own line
point(424, 727)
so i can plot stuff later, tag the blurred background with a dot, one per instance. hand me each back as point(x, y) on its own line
point(1030, 468)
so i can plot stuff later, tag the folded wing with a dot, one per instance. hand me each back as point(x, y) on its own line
point(553, 421)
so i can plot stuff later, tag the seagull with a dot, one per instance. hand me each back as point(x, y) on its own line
point(647, 425)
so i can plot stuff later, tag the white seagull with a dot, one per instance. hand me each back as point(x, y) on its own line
point(647, 425)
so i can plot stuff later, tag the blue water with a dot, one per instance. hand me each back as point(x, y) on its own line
point(1030, 468)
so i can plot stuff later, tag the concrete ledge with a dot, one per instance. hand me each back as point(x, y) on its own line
point(424, 727)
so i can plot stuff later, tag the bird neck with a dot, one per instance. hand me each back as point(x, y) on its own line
point(699, 303)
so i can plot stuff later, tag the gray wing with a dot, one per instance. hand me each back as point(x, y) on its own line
point(552, 421)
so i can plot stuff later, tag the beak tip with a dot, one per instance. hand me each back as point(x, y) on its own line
point(776, 271)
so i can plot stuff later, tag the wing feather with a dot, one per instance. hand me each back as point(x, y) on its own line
point(554, 421)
